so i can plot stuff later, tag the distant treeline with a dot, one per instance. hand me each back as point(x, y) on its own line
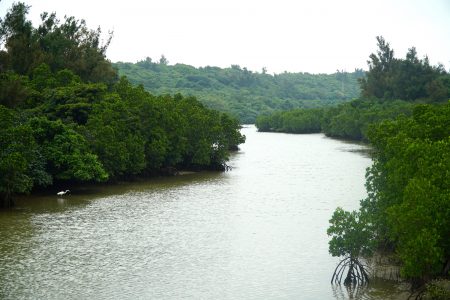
point(66, 117)
point(349, 120)
point(241, 92)
point(407, 210)
point(411, 80)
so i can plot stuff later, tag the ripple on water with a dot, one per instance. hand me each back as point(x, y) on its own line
point(257, 232)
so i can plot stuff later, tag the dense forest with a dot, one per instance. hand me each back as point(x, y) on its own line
point(392, 87)
point(241, 92)
point(404, 113)
point(348, 120)
point(65, 116)
point(407, 211)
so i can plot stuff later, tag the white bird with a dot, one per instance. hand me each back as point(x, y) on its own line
point(62, 193)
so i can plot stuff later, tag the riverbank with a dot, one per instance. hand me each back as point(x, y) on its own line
point(386, 267)
point(75, 187)
point(208, 235)
point(349, 120)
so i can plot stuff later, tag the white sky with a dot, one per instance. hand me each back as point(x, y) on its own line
point(317, 36)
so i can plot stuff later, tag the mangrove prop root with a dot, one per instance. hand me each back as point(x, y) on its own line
point(356, 272)
point(417, 294)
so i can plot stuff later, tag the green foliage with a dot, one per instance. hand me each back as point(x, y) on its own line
point(231, 137)
point(411, 80)
point(74, 122)
point(293, 121)
point(352, 120)
point(351, 238)
point(21, 166)
point(408, 205)
point(243, 93)
point(60, 45)
point(13, 89)
point(348, 120)
point(350, 234)
point(112, 135)
point(66, 152)
point(409, 188)
point(407, 79)
point(437, 290)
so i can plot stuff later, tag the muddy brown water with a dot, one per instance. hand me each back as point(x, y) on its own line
point(256, 232)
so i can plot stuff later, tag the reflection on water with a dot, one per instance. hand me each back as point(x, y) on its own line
point(257, 232)
point(341, 292)
point(377, 289)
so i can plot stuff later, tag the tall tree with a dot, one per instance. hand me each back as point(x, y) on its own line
point(68, 45)
point(376, 82)
point(408, 79)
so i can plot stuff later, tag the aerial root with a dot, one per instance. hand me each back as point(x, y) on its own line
point(355, 272)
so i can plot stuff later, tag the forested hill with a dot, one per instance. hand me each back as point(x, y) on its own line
point(391, 87)
point(240, 91)
point(65, 117)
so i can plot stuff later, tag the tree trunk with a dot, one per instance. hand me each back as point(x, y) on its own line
point(6, 200)
point(349, 278)
point(446, 267)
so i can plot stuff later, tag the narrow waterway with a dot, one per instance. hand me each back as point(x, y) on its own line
point(256, 232)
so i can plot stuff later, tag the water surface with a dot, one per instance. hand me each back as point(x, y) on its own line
point(257, 232)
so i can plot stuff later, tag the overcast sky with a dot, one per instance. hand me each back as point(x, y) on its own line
point(317, 36)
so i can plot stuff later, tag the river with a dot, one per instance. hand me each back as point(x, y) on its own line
point(256, 232)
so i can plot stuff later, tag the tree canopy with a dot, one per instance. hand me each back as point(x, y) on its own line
point(408, 188)
point(404, 113)
point(60, 45)
point(349, 120)
point(389, 89)
point(66, 117)
point(241, 92)
point(407, 210)
point(408, 79)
